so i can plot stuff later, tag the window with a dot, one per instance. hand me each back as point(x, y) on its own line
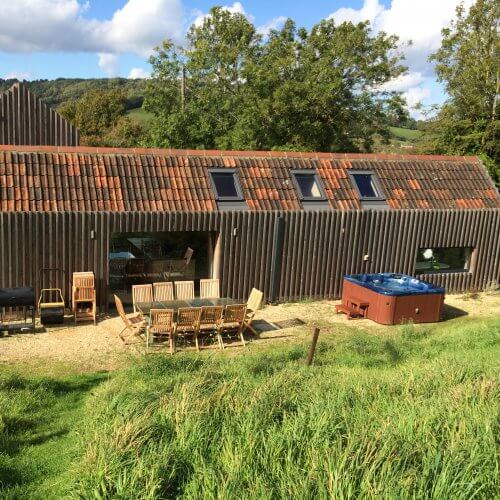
point(226, 185)
point(366, 185)
point(308, 185)
point(443, 260)
point(147, 257)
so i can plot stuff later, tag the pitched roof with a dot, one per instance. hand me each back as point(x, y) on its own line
point(26, 119)
point(37, 178)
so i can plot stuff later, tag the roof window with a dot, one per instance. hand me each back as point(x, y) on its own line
point(226, 185)
point(308, 185)
point(366, 184)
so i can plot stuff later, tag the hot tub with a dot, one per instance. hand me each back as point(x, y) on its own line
point(391, 299)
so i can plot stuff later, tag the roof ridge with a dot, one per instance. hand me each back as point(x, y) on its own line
point(216, 152)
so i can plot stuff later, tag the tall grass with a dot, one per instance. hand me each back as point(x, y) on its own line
point(37, 443)
point(411, 414)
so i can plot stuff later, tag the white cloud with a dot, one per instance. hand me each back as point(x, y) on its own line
point(109, 63)
point(136, 73)
point(415, 95)
point(371, 10)
point(403, 82)
point(417, 21)
point(274, 24)
point(61, 25)
point(236, 8)
point(18, 75)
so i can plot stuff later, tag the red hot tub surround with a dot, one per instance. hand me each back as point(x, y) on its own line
point(391, 299)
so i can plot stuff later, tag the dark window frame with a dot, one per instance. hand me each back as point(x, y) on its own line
point(236, 180)
point(378, 188)
point(317, 179)
point(468, 265)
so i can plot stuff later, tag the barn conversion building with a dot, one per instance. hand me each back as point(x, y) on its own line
point(291, 224)
point(26, 119)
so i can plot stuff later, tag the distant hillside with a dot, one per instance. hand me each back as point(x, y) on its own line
point(57, 92)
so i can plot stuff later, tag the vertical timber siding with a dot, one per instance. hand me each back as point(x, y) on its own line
point(26, 120)
point(319, 247)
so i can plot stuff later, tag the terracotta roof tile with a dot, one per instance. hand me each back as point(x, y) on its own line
point(82, 179)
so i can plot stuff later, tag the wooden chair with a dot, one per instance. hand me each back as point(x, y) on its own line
point(188, 323)
point(253, 305)
point(184, 290)
point(180, 267)
point(209, 289)
point(163, 291)
point(234, 317)
point(135, 324)
point(83, 296)
point(141, 293)
point(210, 319)
point(161, 325)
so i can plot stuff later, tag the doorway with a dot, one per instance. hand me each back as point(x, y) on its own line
point(137, 258)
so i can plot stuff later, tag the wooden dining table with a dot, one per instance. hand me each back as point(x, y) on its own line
point(145, 307)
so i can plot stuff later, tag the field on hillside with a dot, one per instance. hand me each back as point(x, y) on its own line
point(405, 134)
point(402, 412)
point(140, 115)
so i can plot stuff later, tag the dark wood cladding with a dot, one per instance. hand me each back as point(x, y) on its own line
point(319, 247)
point(26, 120)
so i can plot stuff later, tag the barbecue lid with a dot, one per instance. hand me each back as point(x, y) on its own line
point(19, 296)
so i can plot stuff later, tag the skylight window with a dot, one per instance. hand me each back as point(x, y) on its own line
point(308, 185)
point(366, 185)
point(226, 185)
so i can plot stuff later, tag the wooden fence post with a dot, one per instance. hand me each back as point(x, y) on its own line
point(312, 349)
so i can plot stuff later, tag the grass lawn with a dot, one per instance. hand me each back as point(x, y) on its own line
point(402, 412)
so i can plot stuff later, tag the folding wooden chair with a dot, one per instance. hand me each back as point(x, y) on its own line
point(161, 325)
point(188, 323)
point(209, 289)
point(184, 290)
point(233, 320)
point(253, 305)
point(210, 319)
point(179, 268)
point(133, 323)
point(163, 291)
point(83, 296)
point(141, 293)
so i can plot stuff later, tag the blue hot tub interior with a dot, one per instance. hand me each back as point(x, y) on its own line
point(394, 284)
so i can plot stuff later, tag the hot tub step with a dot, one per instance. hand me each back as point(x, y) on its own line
point(349, 311)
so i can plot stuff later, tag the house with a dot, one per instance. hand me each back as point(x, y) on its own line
point(291, 224)
point(26, 119)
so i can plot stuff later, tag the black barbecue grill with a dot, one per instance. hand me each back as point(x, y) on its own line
point(17, 309)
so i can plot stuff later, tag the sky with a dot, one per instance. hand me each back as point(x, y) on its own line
point(103, 38)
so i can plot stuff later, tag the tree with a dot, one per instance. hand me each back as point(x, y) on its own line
point(100, 117)
point(196, 91)
point(231, 88)
point(468, 63)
